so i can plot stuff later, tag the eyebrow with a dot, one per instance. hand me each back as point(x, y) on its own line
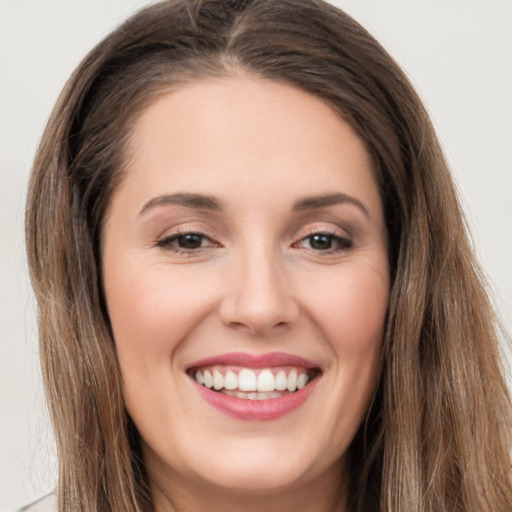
point(184, 199)
point(190, 200)
point(323, 201)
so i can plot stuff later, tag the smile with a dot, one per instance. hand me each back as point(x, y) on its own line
point(253, 384)
point(255, 387)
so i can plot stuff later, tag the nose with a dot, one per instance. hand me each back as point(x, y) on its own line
point(258, 298)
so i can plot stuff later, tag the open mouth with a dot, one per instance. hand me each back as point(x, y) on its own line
point(253, 383)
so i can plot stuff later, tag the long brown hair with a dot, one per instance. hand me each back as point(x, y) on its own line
point(437, 435)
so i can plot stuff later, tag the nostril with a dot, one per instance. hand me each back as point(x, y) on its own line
point(256, 328)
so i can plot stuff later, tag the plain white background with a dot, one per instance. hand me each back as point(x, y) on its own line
point(458, 54)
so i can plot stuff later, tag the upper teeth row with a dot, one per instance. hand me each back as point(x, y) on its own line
point(247, 380)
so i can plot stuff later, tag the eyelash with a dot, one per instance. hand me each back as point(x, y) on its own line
point(166, 242)
point(342, 244)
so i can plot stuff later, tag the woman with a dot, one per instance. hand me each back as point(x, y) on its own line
point(254, 282)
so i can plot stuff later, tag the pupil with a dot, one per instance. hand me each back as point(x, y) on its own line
point(190, 241)
point(321, 241)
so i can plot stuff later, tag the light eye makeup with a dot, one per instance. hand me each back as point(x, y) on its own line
point(324, 241)
point(189, 242)
point(186, 242)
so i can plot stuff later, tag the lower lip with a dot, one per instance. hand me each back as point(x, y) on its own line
point(256, 410)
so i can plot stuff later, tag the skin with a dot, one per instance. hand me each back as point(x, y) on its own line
point(256, 284)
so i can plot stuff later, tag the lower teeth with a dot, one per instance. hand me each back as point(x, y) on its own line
point(257, 395)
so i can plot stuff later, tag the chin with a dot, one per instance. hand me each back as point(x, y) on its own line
point(257, 464)
point(258, 472)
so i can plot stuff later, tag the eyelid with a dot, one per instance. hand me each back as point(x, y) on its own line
point(164, 241)
point(175, 236)
point(184, 226)
point(323, 228)
point(343, 239)
point(343, 242)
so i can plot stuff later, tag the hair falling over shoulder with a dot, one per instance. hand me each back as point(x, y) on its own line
point(438, 434)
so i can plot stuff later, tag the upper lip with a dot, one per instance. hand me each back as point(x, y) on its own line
point(247, 360)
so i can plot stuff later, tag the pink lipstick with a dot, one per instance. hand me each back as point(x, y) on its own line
point(246, 360)
point(255, 387)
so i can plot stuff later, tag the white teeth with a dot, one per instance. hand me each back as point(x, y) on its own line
point(230, 380)
point(280, 381)
point(265, 381)
point(247, 380)
point(292, 381)
point(254, 395)
point(208, 379)
point(301, 380)
point(252, 385)
point(218, 380)
point(199, 378)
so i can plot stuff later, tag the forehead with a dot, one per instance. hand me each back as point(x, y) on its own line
point(245, 134)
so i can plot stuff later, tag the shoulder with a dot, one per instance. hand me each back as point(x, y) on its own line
point(45, 503)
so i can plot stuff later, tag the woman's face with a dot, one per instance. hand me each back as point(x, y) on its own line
point(244, 256)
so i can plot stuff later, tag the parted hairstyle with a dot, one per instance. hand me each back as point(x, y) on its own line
point(437, 434)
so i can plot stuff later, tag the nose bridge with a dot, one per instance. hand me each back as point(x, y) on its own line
point(259, 297)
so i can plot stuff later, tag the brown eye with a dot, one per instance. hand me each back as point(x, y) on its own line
point(321, 242)
point(182, 242)
point(190, 241)
point(325, 242)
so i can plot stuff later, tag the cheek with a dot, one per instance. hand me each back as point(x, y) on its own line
point(350, 308)
point(152, 310)
point(351, 316)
